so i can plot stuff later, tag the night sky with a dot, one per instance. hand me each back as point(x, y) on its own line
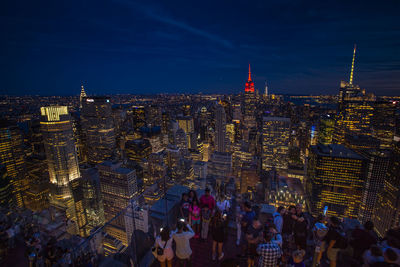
point(145, 47)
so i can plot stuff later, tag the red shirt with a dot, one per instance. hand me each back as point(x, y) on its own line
point(207, 200)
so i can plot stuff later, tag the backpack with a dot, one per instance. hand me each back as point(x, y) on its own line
point(342, 241)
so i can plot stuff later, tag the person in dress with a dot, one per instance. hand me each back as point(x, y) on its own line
point(164, 241)
point(195, 213)
point(219, 224)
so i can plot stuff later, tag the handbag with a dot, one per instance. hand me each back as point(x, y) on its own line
point(160, 251)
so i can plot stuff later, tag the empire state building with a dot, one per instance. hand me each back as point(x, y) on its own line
point(249, 102)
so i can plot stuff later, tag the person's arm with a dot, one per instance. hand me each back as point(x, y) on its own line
point(278, 239)
point(331, 244)
point(190, 233)
point(181, 211)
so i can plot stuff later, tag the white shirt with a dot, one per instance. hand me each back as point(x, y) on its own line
point(223, 205)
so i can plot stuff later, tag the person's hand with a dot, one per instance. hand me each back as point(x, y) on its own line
point(301, 219)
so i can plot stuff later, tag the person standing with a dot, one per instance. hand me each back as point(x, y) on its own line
point(163, 245)
point(239, 215)
point(278, 219)
point(182, 236)
point(205, 221)
point(219, 223)
point(333, 239)
point(208, 199)
point(247, 219)
point(269, 251)
point(287, 227)
point(300, 228)
point(195, 213)
point(254, 236)
point(362, 239)
point(184, 207)
point(223, 204)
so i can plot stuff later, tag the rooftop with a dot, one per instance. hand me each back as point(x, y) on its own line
point(336, 151)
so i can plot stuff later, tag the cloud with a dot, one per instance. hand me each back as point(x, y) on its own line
point(156, 15)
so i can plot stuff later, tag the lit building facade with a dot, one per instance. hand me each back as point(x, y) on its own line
point(387, 209)
point(335, 178)
point(118, 188)
point(12, 157)
point(377, 166)
point(98, 128)
point(275, 142)
point(220, 129)
point(61, 156)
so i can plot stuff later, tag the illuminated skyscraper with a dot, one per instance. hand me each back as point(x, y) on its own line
point(98, 128)
point(376, 171)
point(88, 202)
point(61, 156)
point(383, 122)
point(6, 199)
point(326, 129)
point(355, 110)
point(186, 124)
point(335, 178)
point(118, 188)
point(220, 129)
point(275, 142)
point(387, 209)
point(81, 96)
point(12, 157)
point(249, 103)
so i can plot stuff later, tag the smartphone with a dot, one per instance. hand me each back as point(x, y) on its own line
point(325, 210)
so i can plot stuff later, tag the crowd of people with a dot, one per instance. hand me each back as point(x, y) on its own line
point(40, 250)
point(199, 218)
point(289, 238)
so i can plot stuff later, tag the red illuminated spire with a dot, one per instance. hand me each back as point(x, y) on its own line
point(249, 80)
point(249, 87)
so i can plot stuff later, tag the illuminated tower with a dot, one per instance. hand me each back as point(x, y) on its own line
point(220, 129)
point(98, 128)
point(12, 157)
point(249, 103)
point(118, 188)
point(355, 109)
point(387, 209)
point(249, 87)
point(82, 95)
point(335, 178)
point(266, 89)
point(61, 156)
point(275, 142)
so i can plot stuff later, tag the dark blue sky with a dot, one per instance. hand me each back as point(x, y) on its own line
point(123, 46)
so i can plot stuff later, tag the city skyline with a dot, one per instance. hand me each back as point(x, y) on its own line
point(152, 48)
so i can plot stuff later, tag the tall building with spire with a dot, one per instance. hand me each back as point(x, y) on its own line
point(81, 96)
point(266, 89)
point(355, 109)
point(249, 102)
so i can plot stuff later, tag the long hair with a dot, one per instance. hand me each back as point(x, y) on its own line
point(165, 234)
point(194, 195)
point(217, 218)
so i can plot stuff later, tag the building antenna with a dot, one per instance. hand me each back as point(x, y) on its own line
point(352, 65)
